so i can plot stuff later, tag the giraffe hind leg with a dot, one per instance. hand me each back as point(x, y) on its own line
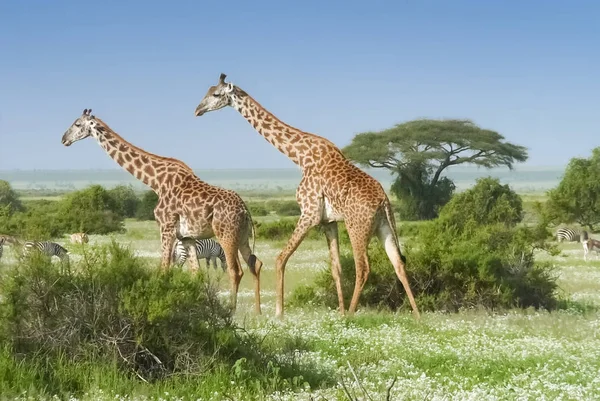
point(331, 233)
point(388, 239)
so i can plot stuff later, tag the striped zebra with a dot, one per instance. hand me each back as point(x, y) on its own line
point(79, 238)
point(568, 234)
point(208, 249)
point(46, 248)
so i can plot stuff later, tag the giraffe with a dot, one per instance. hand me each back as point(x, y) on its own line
point(187, 208)
point(332, 189)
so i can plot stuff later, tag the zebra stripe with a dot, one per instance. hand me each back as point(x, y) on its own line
point(2, 241)
point(208, 249)
point(568, 234)
point(47, 248)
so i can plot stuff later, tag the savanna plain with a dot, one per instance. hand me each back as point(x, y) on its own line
point(316, 354)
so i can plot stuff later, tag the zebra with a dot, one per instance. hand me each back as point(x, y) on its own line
point(79, 238)
point(2, 241)
point(208, 249)
point(47, 248)
point(568, 234)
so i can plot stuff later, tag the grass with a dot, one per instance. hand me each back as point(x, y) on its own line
point(470, 355)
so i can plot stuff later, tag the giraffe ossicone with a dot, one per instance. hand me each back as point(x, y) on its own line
point(332, 189)
point(187, 206)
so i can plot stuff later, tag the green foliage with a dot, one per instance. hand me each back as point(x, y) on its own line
point(577, 197)
point(487, 202)
point(146, 207)
point(419, 199)
point(9, 198)
point(419, 151)
point(41, 220)
point(90, 210)
point(257, 209)
point(281, 230)
point(473, 255)
point(118, 320)
point(284, 207)
point(124, 200)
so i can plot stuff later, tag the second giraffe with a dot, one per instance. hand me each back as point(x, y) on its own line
point(332, 189)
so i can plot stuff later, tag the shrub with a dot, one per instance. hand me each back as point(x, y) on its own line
point(487, 202)
point(146, 207)
point(257, 209)
point(282, 230)
point(9, 198)
point(283, 207)
point(117, 313)
point(124, 200)
point(91, 210)
point(42, 220)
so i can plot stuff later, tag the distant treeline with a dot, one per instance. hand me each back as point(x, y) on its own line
point(93, 210)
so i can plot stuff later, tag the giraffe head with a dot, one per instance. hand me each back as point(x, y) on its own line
point(83, 127)
point(217, 97)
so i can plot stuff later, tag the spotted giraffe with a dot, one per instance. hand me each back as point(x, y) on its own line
point(187, 208)
point(332, 189)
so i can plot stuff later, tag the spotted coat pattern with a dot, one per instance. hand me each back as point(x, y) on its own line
point(332, 189)
point(188, 208)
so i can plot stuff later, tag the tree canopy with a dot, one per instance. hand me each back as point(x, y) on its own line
point(577, 196)
point(419, 151)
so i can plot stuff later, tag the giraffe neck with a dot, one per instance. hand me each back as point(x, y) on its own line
point(139, 163)
point(287, 139)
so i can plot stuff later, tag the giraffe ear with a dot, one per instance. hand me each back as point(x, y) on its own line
point(222, 78)
point(84, 112)
point(229, 87)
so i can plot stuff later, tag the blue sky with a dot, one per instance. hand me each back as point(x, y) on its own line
point(530, 70)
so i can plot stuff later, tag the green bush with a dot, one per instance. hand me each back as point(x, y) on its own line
point(282, 230)
point(42, 219)
point(257, 209)
point(9, 198)
point(487, 202)
point(124, 200)
point(283, 207)
point(146, 207)
point(90, 210)
point(113, 316)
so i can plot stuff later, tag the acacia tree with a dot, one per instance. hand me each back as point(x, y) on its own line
point(577, 196)
point(417, 153)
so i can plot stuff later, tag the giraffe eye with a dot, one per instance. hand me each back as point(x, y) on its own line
point(216, 94)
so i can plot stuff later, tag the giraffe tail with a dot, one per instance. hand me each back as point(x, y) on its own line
point(387, 207)
point(252, 258)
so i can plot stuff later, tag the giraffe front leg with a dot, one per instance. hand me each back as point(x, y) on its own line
point(305, 223)
point(193, 259)
point(167, 239)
